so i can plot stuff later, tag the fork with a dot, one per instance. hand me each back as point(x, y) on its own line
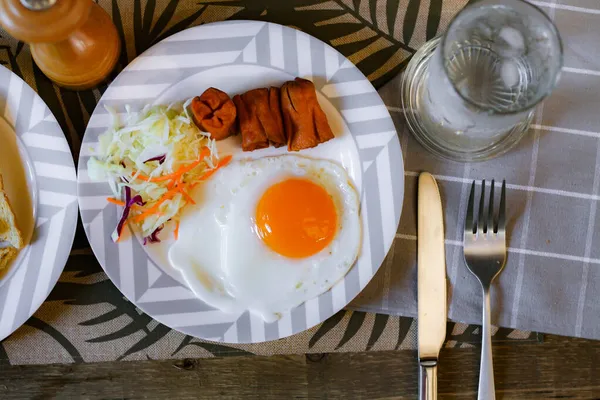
point(484, 245)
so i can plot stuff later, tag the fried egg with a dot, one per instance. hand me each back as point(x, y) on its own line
point(268, 234)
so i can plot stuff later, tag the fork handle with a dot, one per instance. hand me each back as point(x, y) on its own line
point(486, 390)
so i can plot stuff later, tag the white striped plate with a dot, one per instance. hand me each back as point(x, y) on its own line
point(235, 57)
point(44, 160)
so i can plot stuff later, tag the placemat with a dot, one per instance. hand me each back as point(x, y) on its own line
point(86, 318)
point(551, 282)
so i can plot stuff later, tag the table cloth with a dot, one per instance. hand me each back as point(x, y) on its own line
point(87, 319)
point(551, 282)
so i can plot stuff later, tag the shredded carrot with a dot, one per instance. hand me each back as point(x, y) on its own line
point(223, 162)
point(186, 195)
point(205, 152)
point(173, 183)
point(154, 208)
point(151, 211)
point(176, 231)
point(177, 186)
point(207, 175)
point(115, 201)
point(177, 173)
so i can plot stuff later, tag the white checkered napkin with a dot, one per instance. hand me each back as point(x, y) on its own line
point(552, 279)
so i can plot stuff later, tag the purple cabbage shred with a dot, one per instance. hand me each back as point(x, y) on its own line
point(129, 201)
point(153, 237)
point(160, 159)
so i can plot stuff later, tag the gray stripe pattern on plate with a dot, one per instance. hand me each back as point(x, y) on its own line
point(30, 281)
point(251, 43)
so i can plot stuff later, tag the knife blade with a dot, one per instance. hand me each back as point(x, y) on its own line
point(431, 285)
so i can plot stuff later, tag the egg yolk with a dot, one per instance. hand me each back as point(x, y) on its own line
point(296, 218)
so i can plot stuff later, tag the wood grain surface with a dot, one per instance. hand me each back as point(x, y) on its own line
point(559, 368)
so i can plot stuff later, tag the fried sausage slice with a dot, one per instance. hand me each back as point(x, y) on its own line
point(277, 134)
point(305, 122)
point(253, 135)
point(264, 105)
point(215, 113)
point(261, 122)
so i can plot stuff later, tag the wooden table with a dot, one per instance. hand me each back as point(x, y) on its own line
point(559, 368)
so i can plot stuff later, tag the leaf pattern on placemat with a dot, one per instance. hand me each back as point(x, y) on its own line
point(11, 54)
point(215, 349)
point(378, 328)
point(4, 360)
point(360, 33)
point(58, 336)
point(325, 327)
point(86, 316)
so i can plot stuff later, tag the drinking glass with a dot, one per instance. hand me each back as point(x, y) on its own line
point(470, 94)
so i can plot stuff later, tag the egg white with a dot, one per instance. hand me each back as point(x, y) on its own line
point(229, 267)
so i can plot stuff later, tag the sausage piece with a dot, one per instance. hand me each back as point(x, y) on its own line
point(253, 136)
point(260, 118)
point(305, 122)
point(214, 112)
point(264, 105)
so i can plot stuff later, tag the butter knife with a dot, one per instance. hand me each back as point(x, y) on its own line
point(431, 286)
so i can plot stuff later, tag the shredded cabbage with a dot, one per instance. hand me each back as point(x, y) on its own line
point(156, 142)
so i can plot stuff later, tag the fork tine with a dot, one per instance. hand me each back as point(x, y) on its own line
point(480, 212)
point(490, 221)
point(469, 221)
point(501, 226)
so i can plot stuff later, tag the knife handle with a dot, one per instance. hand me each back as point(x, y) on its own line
point(428, 380)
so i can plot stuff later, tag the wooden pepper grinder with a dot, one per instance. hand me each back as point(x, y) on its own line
point(73, 42)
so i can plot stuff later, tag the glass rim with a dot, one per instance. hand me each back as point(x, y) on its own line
point(544, 95)
point(415, 70)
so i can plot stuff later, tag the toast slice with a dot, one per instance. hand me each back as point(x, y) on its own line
point(9, 232)
point(7, 254)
